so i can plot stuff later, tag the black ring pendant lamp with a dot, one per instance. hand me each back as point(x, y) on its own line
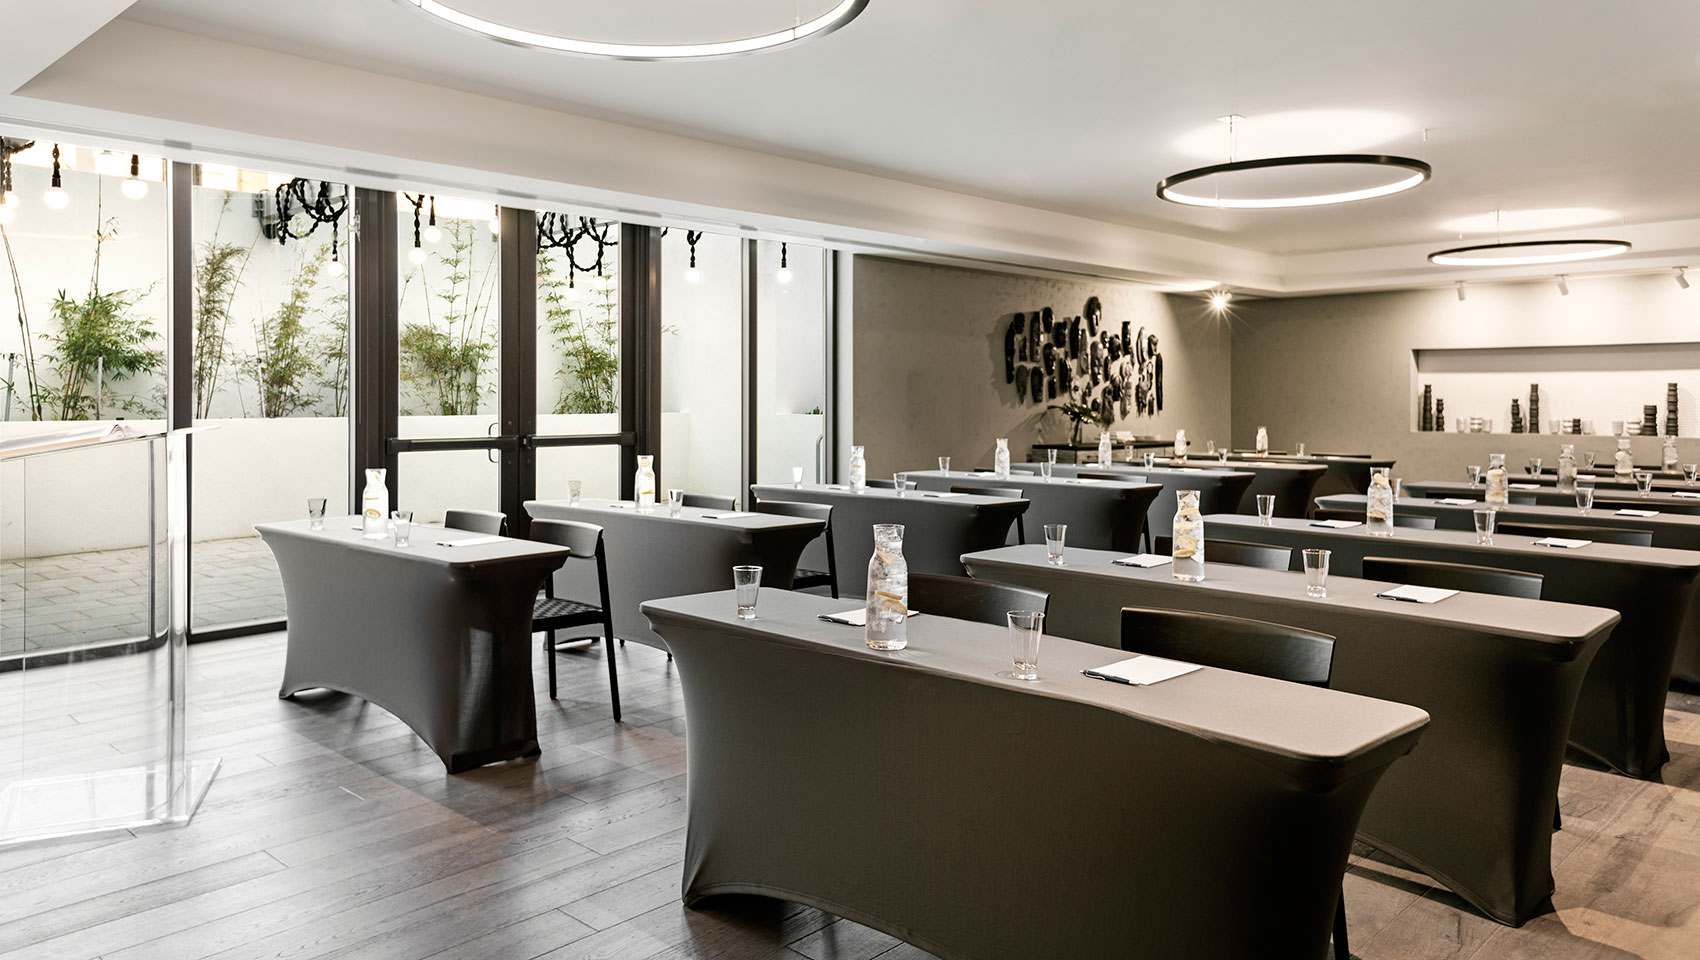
point(1404, 173)
point(1522, 253)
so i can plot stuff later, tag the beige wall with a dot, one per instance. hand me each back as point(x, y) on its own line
point(928, 362)
point(1337, 373)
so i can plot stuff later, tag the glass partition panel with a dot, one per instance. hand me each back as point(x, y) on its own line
point(790, 362)
point(447, 355)
point(597, 469)
point(701, 363)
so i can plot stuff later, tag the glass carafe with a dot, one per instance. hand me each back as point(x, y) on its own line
point(375, 506)
point(645, 485)
point(1104, 452)
point(1262, 441)
point(888, 590)
point(1498, 484)
point(1667, 457)
point(1000, 459)
point(1188, 549)
point(858, 469)
point(1623, 462)
point(1378, 516)
point(1567, 467)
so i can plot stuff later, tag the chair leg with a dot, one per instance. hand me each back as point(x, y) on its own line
point(1341, 950)
point(1557, 819)
point(613, 674)
point(549, 652)
point(1021, 532)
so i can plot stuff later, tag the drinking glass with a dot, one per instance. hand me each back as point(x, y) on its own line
point(316, 513)
point(1589, 457)
point(1045, 471)
point(1475, 473)
point(1300, 449)
point(574, 488)
point(944, 465)
point(901, 480)
point(1266, 508)
point(1211, 448)
point(1222, 455)
point(1690, 473)
point(1150, 459)
point(402, 522)
point(1055, 534)
point(1051, 457)
point(675, 502)
point(1534, 466)
point(796, 476)
point(746, 583)
point(1584, 498)
point(1316, 573)
point(1026, 627)
point(1643, 482)
point(1484, 524)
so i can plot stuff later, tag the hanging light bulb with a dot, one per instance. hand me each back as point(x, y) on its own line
point(416, 256)
point(9, 199)
point(56, 197)
point(336, 269)
point(572, 284)
point(433, 233)
point(496, 225)
point(692, 274)
point(134, 186)
point(784, 274)
point(7, 214)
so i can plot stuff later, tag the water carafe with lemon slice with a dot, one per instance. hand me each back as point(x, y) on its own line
point(1188, 550)
point(888, 590)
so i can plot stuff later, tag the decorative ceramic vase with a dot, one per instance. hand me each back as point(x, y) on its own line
point(1000, 459)
point(858, 469)
point(375, 506)
point(1667, 458)
point(1623, 462)
point(888, 590)
point(1188, 549)
point(645, 484)
point(1498, 484)
point(1180, 444)
point(1567, 467)
point(1378, 516)
point(1104, 451)
point(1262, 441)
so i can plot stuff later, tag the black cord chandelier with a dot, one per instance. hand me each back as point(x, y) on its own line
point(320, 205)
point(557, 231)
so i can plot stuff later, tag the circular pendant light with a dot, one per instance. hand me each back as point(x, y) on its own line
point(841, 13)
point(1523, 253)
point(1300, 181)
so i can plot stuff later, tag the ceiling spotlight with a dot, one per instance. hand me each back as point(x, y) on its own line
point(1219, 300)
point(1460, 291)
point(1682, 277)
point(1563, 288)
point(56, 197)
point(784, 274)
point(134, 186)
point(433, 233)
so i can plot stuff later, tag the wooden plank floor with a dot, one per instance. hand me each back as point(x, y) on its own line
point(332, 832)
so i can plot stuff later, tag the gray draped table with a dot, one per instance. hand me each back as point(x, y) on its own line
point(1677, 531)
point(655, 554)
point(439, 636)
point(925, 795)
point(1292, 484)
point(1099, 513)
point(1219, 491)
point(1547, 495)
point(1620, 711)
point(1345, 474)
point(1474, 806)
point(938, 528)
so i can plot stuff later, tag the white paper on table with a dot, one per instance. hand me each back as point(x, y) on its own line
point(1082, 480)
point(1457, 501)
point(1142, 671)
point(1525, 486)
point(726, 516)
point(1416, 594)
point(944, 494)
point(857, 617)
point(1685, 494)
point(1143, 560)
point(1337, 524)
point(1562, 542)
point(470, 541)
point(1628, 512)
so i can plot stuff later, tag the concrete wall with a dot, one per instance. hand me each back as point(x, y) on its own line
point(1339, 372)
point(928, 367)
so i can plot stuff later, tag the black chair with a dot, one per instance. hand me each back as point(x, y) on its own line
point(1399, 519)
point(1624, 535)
point(480, 521)
point(1454, 576)
point(550, 613)
point(1237, 552)
point(883, 484)
point(806, 579)
point(1247, 646)
point(964, 598)
point(1008, 493)
point(709, 501)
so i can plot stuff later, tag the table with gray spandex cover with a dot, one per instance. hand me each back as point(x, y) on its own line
point(1677, 531)
point(1602, 480)
point(1099, 513)
point(1219, 491)
point(1292, 484)
point(438, 636)
point(925, 795)
point(1345, 474)
point(1498, 675)
point(655, 554)
point(1620, 711)
point(938, 528)
point(1551, 496)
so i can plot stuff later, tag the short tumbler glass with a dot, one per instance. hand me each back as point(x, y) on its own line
point(1266, 509)
point(1316, 573)
point(1534, 466)
point(1055, 534)
point(1045, 469)
point(1149, 459)
point(574, 489)
point(675, 502)
point(1299, 450)
point(316, 513)
point(1643, 482)
point(746, 583)
point(1026, 628)
point(402, 522)
point(1485, 518)
point(944, 464)
point(1590, 457)
point(901, 481)
point(796, 476)
point(1691, 473)
point(1584, 498)
point(1475, 474)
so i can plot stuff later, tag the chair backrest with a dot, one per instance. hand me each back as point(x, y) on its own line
point(1231, 643)
point(1008, 493)
point(1412, 521)
point(964, 598)
point(1454, 576)
point(582, 540)
point(885, 484)
point(480, 521)
point(709, 501)
point(1237, 552)
point(1624, 535)
point(803, 511)
point(1117, 477)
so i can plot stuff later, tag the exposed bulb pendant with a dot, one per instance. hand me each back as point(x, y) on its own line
point(692, 274)
point(572, 283)
point(433, 233)
point(417, 255)
point(134, 186)
point(784, 274)
point(56, 197)
point(496, 224)
point(336, 267)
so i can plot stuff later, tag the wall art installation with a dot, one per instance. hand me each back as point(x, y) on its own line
point(1082, 359)
point(1670, 410)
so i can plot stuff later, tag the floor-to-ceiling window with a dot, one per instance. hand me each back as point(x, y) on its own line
point(579, 327)
point(702, 353)
point(790, 361)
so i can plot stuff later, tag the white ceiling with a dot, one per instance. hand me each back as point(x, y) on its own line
point(1080, 106)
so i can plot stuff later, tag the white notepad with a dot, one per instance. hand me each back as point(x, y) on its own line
point(1457, 501)
point(1685, 494)
point(1628, 512)
point(1562, 542)
point(1143, 560)
point(469, 541)
point(1525, 486)
point(855, 618)
point(726, 516)
point(1337, 524)
point(944, 495)
point(1082, 480)
point(1141, 671)
point(1415, 594)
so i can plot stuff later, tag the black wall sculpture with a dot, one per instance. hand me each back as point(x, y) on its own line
point(1082, 359)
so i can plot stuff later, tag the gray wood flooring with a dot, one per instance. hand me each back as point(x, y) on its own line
point(332, 832)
